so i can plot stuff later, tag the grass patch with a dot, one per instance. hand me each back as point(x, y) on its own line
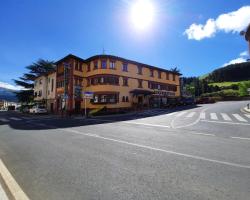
point(225, 84)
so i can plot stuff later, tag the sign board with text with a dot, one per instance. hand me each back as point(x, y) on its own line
point(88, 95)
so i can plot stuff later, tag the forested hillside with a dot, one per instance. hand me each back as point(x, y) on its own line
point(234, 72)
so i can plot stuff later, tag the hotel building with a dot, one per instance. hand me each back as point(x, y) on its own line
point(116, 83)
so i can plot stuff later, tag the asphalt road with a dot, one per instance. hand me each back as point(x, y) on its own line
point(200, 152)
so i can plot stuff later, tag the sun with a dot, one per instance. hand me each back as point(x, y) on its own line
point(142, 14)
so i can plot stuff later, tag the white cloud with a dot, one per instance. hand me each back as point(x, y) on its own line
point(241, 59)
point(244, 54)
point(233, 22)
point(10, 87)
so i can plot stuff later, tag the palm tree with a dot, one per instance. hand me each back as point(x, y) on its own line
point(175, 70)
point(27, 80)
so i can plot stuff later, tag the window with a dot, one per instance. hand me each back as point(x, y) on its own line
point(125, 81)
point(40, 81)
point(125, 67)
point(112, 65)
point(35, 94)
point(104, 64)
point(127, 99)
point(167, 76)
point(139, 69)
point(173, 77)
point(49, 80)
point(88, 68)
point(80, 66)
point(105, 80)
point(40, 93)
point(151, 73)
point(159, 74)
point(96, 64)
point(161, 86)
point(123, 99)
point(76, 65)
point(52, 85)
point(105, 98)
point(139, 83)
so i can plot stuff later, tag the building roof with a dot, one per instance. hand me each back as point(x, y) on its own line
point(69, 56)
point(114, 58)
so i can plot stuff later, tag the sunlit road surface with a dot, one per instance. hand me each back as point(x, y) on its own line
point(197, 152)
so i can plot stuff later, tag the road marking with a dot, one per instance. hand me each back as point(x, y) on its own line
point(162, 150)
point(238, 117)
point(241, 138)
point(13, 187)
point(202, 115)
point(213, 116)
point(191, 114)
point(3, 195)
point(247, 115)
point(206, 134)
point(226, 117)
point(233, 123)
point(145, 124)
point(15, 118)
point(4, 120)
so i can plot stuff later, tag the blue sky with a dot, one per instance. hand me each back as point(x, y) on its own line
point(51, 29)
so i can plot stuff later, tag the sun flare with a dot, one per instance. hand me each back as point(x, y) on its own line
point(142, 14)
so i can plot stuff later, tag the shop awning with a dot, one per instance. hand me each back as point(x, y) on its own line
point(136, 92)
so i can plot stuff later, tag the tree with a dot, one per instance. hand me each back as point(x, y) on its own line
point(36, 69)
point(175, 70)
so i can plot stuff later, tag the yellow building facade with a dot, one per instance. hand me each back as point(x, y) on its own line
point(116, 83)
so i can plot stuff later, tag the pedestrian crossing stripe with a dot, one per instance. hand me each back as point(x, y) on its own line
point(238, 117)
point(226, 117)
point(213, 116)
point(247, 115)
point(202, 115)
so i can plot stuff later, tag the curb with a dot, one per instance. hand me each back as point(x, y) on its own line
point(12, 189)
point(245, 110)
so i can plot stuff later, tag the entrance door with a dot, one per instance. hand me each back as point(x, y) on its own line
point(52, 107)
point(77, 106)
point(140, 100)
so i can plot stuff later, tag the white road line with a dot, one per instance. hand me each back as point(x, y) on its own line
point(190, 114)
point(9, 181)
point(181, 113)
point(233, 123)
point(226, 117)
point(3, 195)
point(202, 115)
point(15, 118)
point(213, 116)
point(241, 138)
point(247, 115)
point(145, 124)
point(238, 117)
point(206, 134)
point(4, 120)
point(162, 150)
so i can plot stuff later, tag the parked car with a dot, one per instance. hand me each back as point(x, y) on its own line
point(187, 101)
point(38, 109)
point(204, 100)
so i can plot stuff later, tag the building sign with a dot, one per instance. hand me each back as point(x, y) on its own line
point(88, 95)
point(164, 93)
